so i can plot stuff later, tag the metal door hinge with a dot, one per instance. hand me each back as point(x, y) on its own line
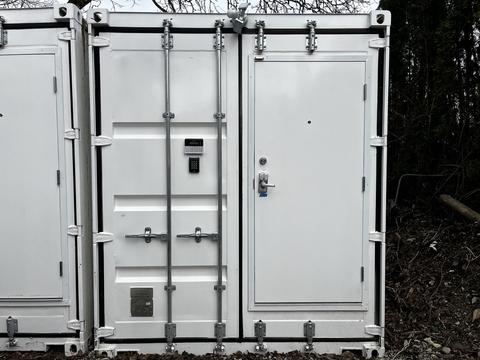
point(55, 85)
point(12, 328)
point(374, 330)
point(260, 333)
point(3, 33)
point(99, 41)
point(362, 274)
point(309, 333)
point(379, 43)
point(365, 92)
point(74, 230)
point(105, 331)
point(311, 40)
point(72, 134)
point(102, 237)
point(364, 183)
point(75, 325)
point(60, 268)
point(260, 38)
point(376, 236)
point(68, 35)
point(378, 141)
point(58, 177)
point(101, 140)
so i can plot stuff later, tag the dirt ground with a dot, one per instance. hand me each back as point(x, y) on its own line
point(432, 294)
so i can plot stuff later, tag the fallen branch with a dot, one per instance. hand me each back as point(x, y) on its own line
point(459, 207)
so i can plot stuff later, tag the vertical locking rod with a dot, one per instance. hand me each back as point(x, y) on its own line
point(170, 327)
point(219, 326)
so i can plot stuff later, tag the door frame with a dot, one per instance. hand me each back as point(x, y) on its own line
point(250, 164)
point(66, 167)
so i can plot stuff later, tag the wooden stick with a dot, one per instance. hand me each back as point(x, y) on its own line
point(460, 207)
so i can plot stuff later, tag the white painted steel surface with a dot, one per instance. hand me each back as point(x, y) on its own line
point(133, 181)
point(32, 229)
point(45, 280)
point(304, 252)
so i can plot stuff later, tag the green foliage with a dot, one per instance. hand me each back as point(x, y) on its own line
point(434, 99)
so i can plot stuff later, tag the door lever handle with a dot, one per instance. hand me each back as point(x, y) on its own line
point(263, 183)
point(266, 184)
point(148, 236)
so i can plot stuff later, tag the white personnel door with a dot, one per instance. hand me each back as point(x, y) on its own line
point(309, 118)
point(309, 131)
point(30, 198)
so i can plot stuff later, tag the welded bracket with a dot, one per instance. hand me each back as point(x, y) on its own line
point(376, 236)
point(311, 40)
point(3, 33)
point(72, 134)
point(106, 331)
point(379, 43)
point(101, 140)
point(75, 325)
point(69, 35)
point(99, 41)
point(260, 333)
point(102, 237)
point(378, 141)
point(74, 230)
point(260, 38)
point(309, 333)
point(374, 330)
point(12, 328)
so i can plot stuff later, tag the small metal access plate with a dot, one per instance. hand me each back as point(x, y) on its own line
point(141, 302)
point(193, 146)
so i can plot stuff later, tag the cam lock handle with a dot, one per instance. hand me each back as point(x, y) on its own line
point(148, 235)
point(198, 235)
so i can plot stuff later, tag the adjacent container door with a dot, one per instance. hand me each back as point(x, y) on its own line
point(32, 231)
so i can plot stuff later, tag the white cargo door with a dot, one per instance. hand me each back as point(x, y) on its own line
point(308, 130)
point(30, 222)
point(134, 184)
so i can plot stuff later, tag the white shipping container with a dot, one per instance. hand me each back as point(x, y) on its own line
point(45, 207)
point(239, 181)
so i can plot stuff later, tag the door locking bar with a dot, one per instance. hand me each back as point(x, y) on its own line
point(167, 45)
point(147, 236)
point(219, 116)
point(198, 235)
